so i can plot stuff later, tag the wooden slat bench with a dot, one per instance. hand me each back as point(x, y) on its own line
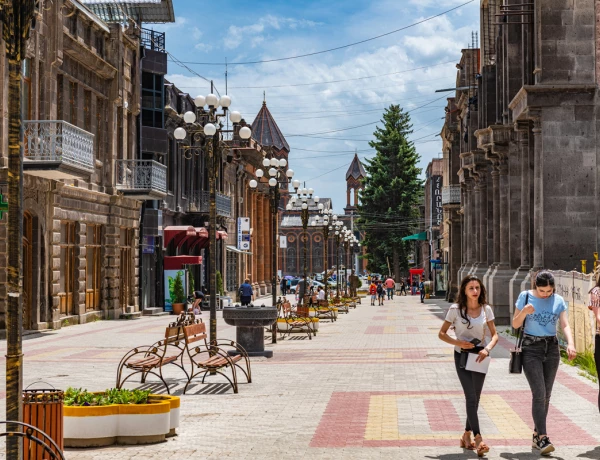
point(150, 359)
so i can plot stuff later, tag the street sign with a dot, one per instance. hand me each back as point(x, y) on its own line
point(243, 234)
point(283, 242)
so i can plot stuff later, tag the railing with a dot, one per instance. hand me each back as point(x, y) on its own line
point(56, 141)
point(200, 202)
point(153, 40)
point(141, 175)
point(451, 194)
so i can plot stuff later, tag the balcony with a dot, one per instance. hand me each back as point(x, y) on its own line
point(152, 40)
point(451, 195)
point(55, 149)
point(200, 201)
point(142, 179)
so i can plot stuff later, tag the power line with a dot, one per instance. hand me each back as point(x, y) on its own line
point(337, 47)
point(328, 82)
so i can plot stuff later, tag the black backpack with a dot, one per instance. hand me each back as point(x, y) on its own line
point(379, 289)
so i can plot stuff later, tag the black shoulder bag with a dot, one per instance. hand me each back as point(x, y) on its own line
point(515, 366)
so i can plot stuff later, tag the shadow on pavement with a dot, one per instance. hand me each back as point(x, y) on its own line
point(593, 454)
point(525, 455)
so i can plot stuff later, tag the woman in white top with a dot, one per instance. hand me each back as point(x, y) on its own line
point(473, 321)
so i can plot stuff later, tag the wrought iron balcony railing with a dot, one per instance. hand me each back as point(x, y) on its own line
point(142, 178)
point(451, 194)
point(57, 149)
point(152, 40)
point(199, 202)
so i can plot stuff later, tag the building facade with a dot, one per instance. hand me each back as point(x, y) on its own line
point(527, 128)
point(80, 101)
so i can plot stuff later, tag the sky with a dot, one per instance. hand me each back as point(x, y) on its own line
point(327, 105)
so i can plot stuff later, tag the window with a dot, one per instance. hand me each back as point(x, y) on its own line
point(100, 127)
point(73, 103)
point(73, 25)
point(93, 267)
point(171, 166)
point(67, 263)
point(231, 282)
point(152, 100)
point(126, 266)
point(87, 111)
point(99, 42)
point(59, 95)
point(26, 89)
point(120, 134)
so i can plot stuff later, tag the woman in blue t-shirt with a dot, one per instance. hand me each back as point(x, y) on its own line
point(540, 309)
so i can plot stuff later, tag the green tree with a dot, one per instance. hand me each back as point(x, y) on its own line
point(388, 209)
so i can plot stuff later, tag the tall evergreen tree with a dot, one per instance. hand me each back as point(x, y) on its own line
point(388, 209)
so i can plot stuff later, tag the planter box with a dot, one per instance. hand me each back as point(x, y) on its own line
point(282, 326)
point(93, 426)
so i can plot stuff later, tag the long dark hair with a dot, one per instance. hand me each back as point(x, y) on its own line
point(461, 298)
point(544, 278)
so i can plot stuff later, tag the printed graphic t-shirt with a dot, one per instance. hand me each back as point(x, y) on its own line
point(478, 328)
point(542, 322)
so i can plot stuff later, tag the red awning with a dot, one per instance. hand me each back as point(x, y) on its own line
point(177, 262)
point(178, 234)
point(202, 242)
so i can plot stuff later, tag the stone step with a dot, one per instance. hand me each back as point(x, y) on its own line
point(154, 312)
point(132, 315)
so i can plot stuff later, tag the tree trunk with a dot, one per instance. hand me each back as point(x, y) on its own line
point(396, 262)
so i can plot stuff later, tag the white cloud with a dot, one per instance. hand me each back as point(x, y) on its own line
point(236, 35)
point(196, 33)
point(204, 47)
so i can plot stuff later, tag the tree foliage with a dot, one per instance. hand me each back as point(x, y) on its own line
point(388, 209)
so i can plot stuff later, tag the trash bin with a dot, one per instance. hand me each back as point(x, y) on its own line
point(43, 409)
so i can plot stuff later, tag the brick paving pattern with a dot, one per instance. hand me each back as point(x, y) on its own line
point(376, 384)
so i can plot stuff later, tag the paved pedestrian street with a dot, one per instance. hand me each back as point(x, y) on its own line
point(377, 383)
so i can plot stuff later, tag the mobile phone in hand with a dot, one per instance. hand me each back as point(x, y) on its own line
point(475, 342)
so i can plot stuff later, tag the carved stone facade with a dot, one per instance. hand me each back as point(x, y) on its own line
point(80, 236)
point(527, 125)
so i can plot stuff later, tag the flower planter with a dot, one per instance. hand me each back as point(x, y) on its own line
point(178, 308)
point(282, 326)
point(94, 426)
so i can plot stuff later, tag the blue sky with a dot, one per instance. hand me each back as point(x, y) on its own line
point(216, 32)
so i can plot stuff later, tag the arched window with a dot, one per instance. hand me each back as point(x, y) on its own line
point(291, 260)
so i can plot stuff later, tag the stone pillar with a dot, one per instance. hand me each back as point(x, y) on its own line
point(268, 245)
point(455, 254)
point(525, 210)
point(463, 234)
point(468, 226)
point(482, 224)
point(499, 280)
point(260, 260)
point(496, 211)
point(476, 208)
point(538, 196)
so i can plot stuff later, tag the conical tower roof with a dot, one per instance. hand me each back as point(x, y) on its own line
point(356, 169)
point(266, 132)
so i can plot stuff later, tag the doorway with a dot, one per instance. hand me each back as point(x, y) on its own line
point(27, 269)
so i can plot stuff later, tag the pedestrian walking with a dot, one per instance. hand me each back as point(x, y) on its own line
point(538, 311)
point(402, 287)
point(422, 291)
point(594, 305)
point(301, 290)
point(288, 285)
point(380, 292)
point(198, 299)
point(373, 292)
point(246, 293)
point(390, 284)
point(475, 330)
point(283, 286)
point(353, 279)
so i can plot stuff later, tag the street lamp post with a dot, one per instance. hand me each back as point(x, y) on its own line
point(211, 128)
point(326, 226)
point(338, 237)
point(16, 17)
point(278, 176)
point(303, 196)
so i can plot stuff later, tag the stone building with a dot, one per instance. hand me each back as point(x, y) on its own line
point(527, 144)
point(80, 102)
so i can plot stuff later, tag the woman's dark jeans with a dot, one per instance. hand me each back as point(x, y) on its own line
point(597, 359)
point(540, 364)
point(472, 383)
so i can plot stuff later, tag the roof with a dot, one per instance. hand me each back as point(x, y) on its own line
point(266, 132)
point(142, 11)
point(356, 169)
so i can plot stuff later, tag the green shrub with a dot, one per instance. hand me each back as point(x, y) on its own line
point(79, 397)
point(584, 361)
point(219, 278)
point(178, 292)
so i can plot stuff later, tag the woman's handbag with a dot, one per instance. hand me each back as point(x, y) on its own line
point(515, 366)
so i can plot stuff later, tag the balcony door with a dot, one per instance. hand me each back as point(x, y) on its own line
point(27, 269)
point(67, 259)
point(126, 267)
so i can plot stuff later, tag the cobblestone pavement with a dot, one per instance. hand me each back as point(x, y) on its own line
point(376, 384)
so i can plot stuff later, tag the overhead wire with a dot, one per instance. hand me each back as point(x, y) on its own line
point(315, 53)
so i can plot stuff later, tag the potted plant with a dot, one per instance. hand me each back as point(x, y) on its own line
point(178, 295)
point(118, 416)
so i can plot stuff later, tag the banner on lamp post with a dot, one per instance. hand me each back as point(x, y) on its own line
point(243, 234)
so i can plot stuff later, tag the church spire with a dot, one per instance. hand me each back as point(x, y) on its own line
point(266, 132)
